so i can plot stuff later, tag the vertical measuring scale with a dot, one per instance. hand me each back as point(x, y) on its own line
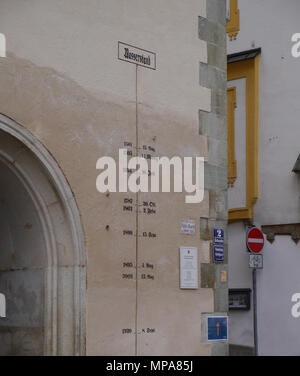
point(142, 59)
point(137, 213)
point(145, 207)
point(157, 301)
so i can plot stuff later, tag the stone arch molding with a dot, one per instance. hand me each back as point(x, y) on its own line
point(65, 273)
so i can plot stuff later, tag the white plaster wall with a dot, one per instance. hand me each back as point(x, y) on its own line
point(79, 38)
point(280, 279)
point(270, 24)
point(63, 82)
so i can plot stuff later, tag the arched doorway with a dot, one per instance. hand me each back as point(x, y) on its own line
point(42, 257)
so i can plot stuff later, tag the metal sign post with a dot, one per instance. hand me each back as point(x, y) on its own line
point(255, 244)
point(255, 313)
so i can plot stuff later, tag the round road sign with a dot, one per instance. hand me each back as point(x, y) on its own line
point(255, 240)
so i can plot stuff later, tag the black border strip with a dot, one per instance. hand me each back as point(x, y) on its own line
point(244, 55)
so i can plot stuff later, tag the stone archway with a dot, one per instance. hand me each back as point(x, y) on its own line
point(42, 255)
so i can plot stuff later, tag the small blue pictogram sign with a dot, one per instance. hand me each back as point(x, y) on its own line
point(217, 328)
point(218, 253)
point(218, 236)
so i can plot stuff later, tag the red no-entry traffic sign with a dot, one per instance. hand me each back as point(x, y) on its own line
point(255, 240)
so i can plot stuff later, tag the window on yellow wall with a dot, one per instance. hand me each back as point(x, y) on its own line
point(231, 105)
point(244, 65)
point(233, 19)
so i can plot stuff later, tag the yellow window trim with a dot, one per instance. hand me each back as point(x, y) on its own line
point(231, 105)
point(248, 69)
point(233, 24)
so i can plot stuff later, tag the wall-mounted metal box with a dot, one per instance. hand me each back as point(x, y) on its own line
point(239, 299)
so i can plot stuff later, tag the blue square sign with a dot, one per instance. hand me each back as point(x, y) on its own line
point(218, 253)
point(218, 236)
point(217, 328)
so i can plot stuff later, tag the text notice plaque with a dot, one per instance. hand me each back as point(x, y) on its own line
point(188, 227)
point(188, 268)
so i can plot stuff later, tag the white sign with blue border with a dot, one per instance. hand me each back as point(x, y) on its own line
point(218, 236)
point(217, 328)
point(218, 253)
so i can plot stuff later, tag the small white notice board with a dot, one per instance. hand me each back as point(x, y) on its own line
point(188, 227)
point(188, 268)
point(256, 261)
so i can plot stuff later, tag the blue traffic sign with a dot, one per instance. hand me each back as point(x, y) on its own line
point(218, 253)
point(218, 236)
point(217, 328)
